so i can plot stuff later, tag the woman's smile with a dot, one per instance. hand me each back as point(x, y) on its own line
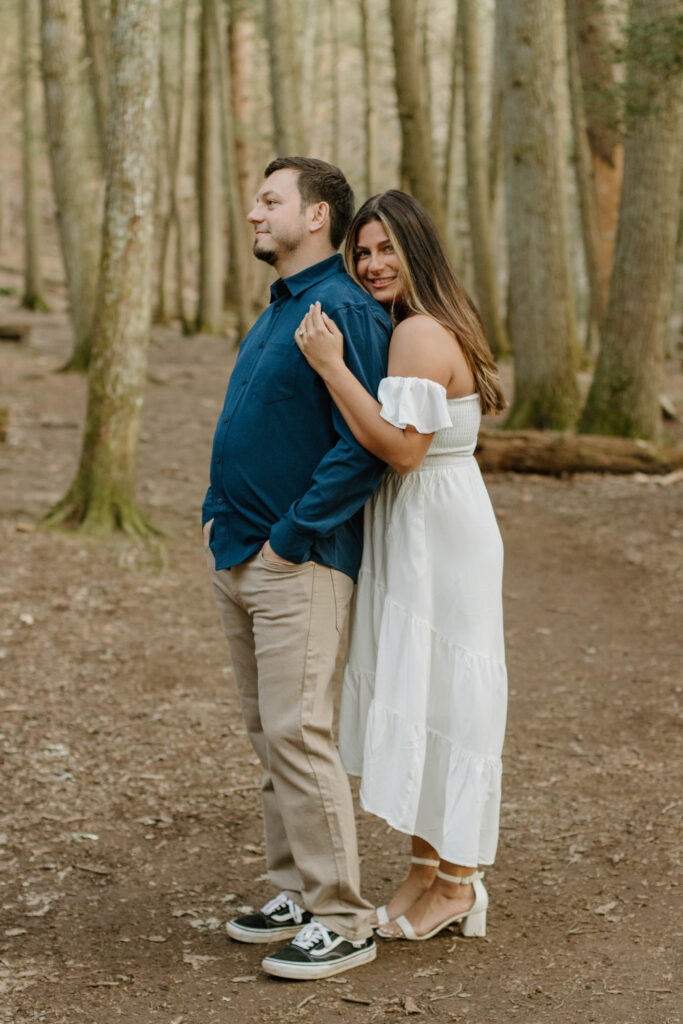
point(377, 264)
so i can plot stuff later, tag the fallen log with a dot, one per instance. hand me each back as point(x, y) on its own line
point(14, 332)
point(553, 453)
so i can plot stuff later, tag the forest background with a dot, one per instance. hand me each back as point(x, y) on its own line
point(546, 138)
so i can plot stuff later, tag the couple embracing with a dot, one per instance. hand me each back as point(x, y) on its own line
point(361, 385)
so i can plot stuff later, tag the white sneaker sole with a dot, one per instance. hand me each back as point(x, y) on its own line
point(236, 931)
point(311, 971)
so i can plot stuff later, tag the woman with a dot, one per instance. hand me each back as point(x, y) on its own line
point(425, 687)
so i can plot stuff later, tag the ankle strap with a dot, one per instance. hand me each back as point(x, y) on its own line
point(425, 860)
point(458, 879)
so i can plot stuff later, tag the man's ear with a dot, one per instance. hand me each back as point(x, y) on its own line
point(319, 216)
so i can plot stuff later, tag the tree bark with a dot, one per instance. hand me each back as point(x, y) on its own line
point(74, 177)
point(597, 42)
point(450, 192)
point(285, 78)
point(540, 315)
point(555, 454)
point(485, 285)
point(239, 246)
point(96, 45)
point(173, 149)
point(369, 111)
point(210, 181)
point(102, 497)
point(418, 169)
point(585, 184)
point(33, 297)
point(241, 33)
point(624, 396)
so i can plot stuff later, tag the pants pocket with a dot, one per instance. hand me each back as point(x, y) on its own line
point(342, 588)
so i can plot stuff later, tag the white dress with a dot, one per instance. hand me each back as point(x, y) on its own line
point(425, 687)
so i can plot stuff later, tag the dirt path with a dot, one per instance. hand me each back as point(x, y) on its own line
point(129, 821)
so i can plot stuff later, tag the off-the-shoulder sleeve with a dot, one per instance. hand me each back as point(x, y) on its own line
point(416, 401)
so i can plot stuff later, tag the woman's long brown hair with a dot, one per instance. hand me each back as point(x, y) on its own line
point(430, 285)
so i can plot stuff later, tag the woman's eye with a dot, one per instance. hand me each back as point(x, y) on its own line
point(362, 255)
point(388, 248)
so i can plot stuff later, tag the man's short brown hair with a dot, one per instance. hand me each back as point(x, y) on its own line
point(320, 182)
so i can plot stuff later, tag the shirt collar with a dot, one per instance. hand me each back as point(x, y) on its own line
point(298, 283)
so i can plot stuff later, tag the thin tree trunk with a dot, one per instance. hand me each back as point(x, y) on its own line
point(370, 113)
point(541, 316)
point(241, 33)
point(237, 224)
point(624, 396)
point(285, 78)
point(454, 114)
point(335, 83)
point(96, 45)
point(597, 42)
point(477, 186)
point(33, 297)
point(418, 170)
point(495, 147)
point(172, 138)
point(209, 181)
point(102, 497)
point(74, 178)
point(585, 183)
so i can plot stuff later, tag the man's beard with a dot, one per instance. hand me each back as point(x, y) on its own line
point(267, 255)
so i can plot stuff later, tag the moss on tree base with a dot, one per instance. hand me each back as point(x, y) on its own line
point(100, 517)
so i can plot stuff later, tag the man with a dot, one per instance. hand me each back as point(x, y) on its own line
point(282, 521)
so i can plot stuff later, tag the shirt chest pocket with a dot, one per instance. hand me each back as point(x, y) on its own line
point(277, 375)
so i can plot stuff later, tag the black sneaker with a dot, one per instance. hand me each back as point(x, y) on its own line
point(280, 918)
point(317, 952)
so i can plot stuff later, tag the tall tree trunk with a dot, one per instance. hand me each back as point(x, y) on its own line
point(624, 397)
point(418, 169)
point(541, 318)
point(335, 83)
point(210, 181)
point(477, 185)
point(285, 79)
point(585, 182)
point(597, 45)
point(495, 146)
point(239, 246)
point(450, 191)
point(74, 177)
point(172, 137)
point(102, 496)
point(96, 44)
point(369, 110)
point(241, 38)
point(33, 297)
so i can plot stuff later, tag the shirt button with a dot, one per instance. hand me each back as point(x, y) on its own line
point(219, 501)
point(217, 459)
point(243, 383)
point(227, 419)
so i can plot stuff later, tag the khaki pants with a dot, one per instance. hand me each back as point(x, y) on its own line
point(283, 625)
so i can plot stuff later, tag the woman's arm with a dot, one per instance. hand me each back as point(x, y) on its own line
point(416, 350)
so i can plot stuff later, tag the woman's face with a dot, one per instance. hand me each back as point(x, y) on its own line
point(377, 264)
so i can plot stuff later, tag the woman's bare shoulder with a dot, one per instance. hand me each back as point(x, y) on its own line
point(422, 330)
point(421, 347)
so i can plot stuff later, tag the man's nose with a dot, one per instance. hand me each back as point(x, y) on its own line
point(255, 215)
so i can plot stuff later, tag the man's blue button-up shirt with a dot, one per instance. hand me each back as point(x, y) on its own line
point(285, 465)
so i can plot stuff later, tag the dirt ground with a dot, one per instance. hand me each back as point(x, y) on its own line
point(129, 819)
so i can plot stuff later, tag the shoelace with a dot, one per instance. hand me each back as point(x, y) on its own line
point(280, 902)
point(311, 934)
